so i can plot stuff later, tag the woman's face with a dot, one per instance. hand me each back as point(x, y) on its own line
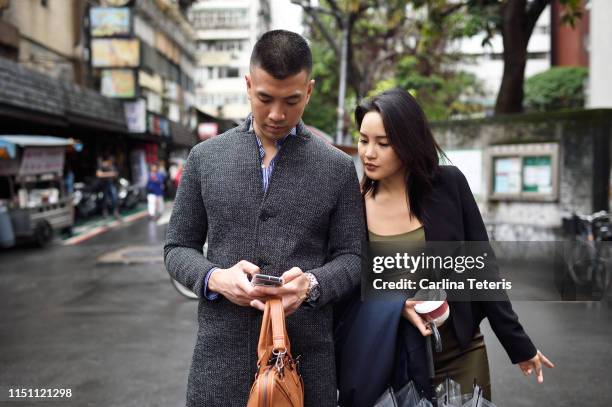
point(378, 157)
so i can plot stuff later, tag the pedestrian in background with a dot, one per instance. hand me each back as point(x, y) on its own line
point(178, 175)
point(69, 180)
point(155, 192)
point(107, 174)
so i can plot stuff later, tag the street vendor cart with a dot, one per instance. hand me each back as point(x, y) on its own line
point(33, 199)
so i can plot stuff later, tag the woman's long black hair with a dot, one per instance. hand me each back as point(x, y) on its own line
point(410, 137)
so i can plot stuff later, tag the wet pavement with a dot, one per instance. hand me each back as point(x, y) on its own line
point(115, 335)
point(577, 338)
point(120, 335)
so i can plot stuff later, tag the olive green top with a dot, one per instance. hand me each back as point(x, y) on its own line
point(462, 365)
point(416, 235)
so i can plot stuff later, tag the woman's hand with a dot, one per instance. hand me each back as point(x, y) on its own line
point(536, 363)
point(415, 319)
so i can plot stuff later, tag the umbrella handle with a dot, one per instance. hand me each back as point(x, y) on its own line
point(432, 371)
point(435, 336)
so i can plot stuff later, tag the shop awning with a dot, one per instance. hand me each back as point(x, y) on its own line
point(11, 142)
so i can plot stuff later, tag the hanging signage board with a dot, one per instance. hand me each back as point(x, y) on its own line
point(153, 82)
point(110, 21)
point(115, 53)
point(136, 116)
point(36, 160)
point(118, 83)
point(167, 47)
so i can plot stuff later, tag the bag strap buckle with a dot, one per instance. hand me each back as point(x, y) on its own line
point(280, 360)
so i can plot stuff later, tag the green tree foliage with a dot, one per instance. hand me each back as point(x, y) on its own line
point(407, 43)
point(393, 43)
point(442, 95)
point(557, 88)
point(321, 110)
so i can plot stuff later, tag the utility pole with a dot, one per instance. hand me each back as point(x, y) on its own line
point(340, 130)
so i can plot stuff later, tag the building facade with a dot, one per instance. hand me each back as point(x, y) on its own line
point(29, 35)
point(115, 74)
point(226, 32)
point(600, 80)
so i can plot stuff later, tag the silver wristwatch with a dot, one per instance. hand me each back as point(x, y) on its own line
point(314, 291)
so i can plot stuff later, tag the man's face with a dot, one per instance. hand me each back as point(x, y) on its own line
point(277, 104)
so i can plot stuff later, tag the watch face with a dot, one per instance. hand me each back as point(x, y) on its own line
point(314, 293)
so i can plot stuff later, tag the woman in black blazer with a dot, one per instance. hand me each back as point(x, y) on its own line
point(409, 196)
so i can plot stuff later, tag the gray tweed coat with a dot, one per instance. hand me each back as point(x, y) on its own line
point(311, 217)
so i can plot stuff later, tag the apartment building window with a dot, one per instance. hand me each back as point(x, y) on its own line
point(218, 99)
point(229, 45)
point(229, 18)
point(228, 72)
point(217, 72)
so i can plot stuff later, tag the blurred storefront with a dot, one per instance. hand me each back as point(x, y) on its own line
point(118, 77)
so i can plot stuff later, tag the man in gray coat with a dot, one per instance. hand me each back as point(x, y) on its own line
point(271, 198)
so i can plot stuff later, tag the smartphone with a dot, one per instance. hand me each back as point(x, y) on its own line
point(266, 280)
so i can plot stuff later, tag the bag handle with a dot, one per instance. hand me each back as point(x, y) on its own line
point(273, 335)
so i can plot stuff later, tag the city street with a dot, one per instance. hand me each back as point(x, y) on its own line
point(116, 335)
point(120, 335)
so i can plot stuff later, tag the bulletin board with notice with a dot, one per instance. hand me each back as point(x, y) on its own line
point(527, 172)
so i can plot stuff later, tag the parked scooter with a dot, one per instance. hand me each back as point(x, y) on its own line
point(88, 200)
point(129, 195)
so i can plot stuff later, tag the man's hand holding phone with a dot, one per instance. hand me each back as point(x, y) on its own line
point(264, 280)
point(292, 292)
point(234, 283)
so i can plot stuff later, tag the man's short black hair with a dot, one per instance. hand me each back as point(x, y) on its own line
point(282, 54)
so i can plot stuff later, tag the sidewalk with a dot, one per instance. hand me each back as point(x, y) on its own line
point(98, 225)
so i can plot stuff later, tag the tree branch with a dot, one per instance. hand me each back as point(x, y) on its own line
point(533, 12)
point(450, 10)
point(319, 25)
point(338, 14)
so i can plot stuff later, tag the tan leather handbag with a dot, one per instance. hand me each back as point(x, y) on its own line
point(277, 382)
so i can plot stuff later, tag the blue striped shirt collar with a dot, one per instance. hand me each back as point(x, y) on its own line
point(279, 143)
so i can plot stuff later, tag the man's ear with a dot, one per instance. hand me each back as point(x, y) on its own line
point(249, 84)
point(309, 89)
